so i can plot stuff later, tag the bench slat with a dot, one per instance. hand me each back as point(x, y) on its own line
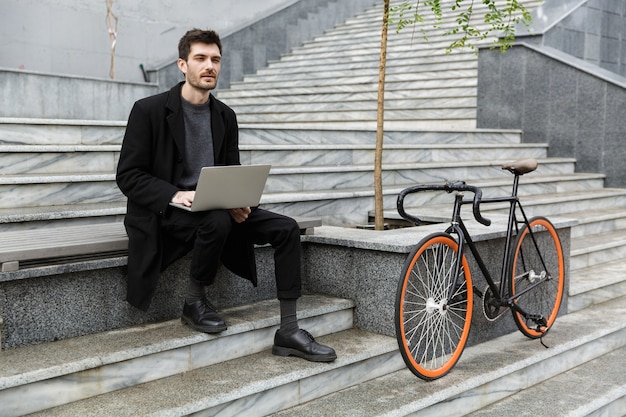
point(63, 241)
point(57, 242)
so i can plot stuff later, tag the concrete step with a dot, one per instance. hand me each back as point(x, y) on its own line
point(489, 372)
point(39, 377)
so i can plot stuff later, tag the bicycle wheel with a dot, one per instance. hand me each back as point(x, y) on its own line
point(431, 329)
point(537, 275)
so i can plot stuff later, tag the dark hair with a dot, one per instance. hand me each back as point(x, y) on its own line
point(197, 35)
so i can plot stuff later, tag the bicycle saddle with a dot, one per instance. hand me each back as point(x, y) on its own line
point(521, 166)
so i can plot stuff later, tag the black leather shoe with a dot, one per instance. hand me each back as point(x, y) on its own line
point(303, 345)
point(201, 316)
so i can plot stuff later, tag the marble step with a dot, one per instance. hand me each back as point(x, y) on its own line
point(348, 108)
point(561, 204)
point(371, 86)
point(373, 16)
point(235, 100)
point(348, 80)
point(57, 159)
point(404, 61)
point(255, 385)
point(604, 220)
point(463, 116)
point(365, 62)
point(487, 373)
point(60, 132)
point(596, 284)
point(61, 215)
point(52, 159)
point(320, 178)
point(350, 207)
point(57, 189)
point(272, 134)
point(320, 71)
point(592, 250)
point(357, 154)
point(358, 41)
point(604, 393)
point(39, 377)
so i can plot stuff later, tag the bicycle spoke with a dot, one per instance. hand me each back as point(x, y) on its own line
point(432, 329)
point(537, 277)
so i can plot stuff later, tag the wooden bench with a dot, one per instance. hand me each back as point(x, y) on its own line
point(37, 247)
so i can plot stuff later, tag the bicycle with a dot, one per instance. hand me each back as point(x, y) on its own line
point(434, 299)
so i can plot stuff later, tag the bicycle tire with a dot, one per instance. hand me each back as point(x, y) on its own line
point(432, 332)
point(531, 262)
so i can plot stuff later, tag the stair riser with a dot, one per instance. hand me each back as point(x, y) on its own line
point(59, 134)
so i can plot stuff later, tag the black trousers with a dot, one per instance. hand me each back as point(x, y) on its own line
point(205, 234)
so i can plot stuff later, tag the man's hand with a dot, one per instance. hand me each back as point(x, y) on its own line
point(240, 214)
point(184, 197)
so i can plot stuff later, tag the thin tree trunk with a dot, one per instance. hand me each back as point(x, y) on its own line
point(380, 117)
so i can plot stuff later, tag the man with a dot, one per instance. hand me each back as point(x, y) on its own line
point(169, 138)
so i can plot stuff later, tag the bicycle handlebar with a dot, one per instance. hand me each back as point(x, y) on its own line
point(447, 187)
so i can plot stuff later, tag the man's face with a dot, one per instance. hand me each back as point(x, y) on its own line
point(202, 66)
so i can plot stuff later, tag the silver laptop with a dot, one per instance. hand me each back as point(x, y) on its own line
point(226, 187)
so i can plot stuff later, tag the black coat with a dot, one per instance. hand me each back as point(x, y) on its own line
point(150, 163)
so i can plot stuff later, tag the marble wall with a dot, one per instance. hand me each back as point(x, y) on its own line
point(574, 106)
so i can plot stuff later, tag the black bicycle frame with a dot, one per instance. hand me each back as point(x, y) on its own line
point(458, 227)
